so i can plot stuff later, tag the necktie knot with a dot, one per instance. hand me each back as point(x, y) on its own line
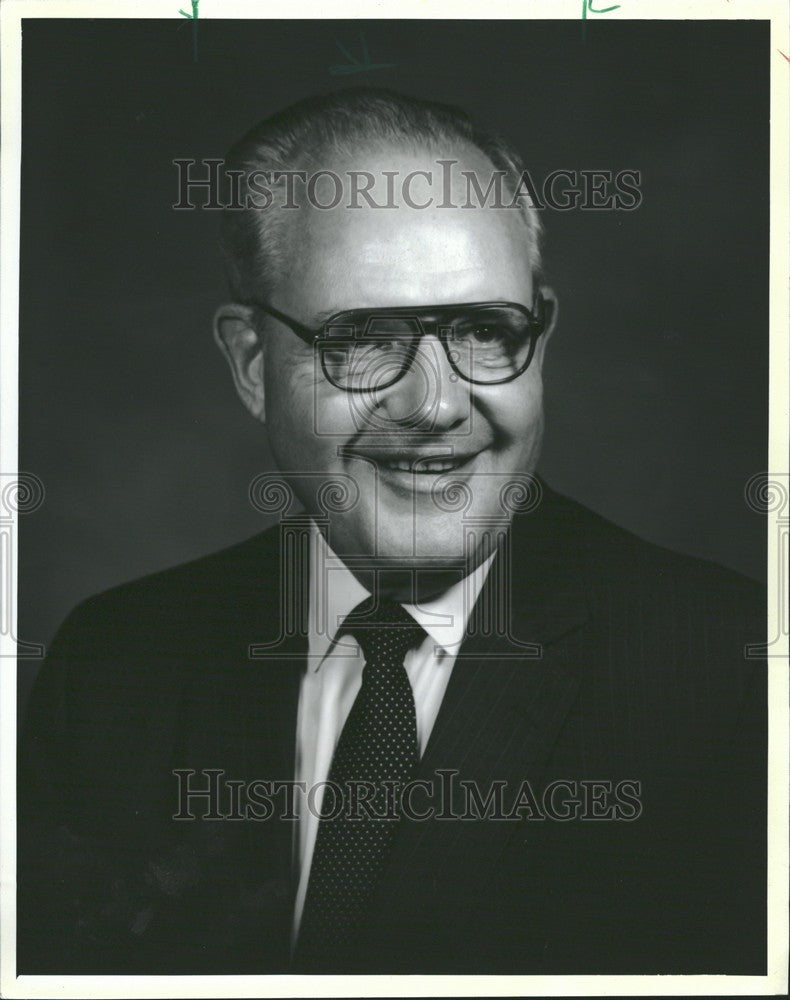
point(383, 629)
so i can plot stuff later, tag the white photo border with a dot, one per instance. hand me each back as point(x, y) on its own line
point(776, 981)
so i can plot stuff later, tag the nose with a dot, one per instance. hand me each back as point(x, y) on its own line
point(429, 396)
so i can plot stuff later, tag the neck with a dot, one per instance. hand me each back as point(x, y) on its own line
point(412, 585)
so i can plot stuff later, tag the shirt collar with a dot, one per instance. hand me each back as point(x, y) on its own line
point(444, 618)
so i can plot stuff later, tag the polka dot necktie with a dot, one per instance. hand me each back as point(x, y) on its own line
point(378, 746)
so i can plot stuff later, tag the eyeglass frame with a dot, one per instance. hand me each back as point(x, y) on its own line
point(538, 319)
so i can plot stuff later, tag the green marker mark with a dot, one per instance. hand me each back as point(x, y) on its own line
point(587, 6)
point(193, 17)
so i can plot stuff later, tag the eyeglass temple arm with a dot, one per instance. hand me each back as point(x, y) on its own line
point(305, 333)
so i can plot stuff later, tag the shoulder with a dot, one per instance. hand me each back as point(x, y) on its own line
point(615, 560)
point(119, 651)
point(675, 621)
point(186, 598)
point(675, 642)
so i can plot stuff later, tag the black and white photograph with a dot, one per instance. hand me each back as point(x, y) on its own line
point(395, 499)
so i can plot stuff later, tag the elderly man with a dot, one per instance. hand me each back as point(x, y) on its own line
point(444, 720)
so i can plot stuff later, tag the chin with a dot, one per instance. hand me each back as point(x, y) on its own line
point(418, 540)
point(399, 537)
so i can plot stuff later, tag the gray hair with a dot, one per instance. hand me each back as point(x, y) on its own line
point(253, 239)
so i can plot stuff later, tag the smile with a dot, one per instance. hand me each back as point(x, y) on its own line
point(423, 466)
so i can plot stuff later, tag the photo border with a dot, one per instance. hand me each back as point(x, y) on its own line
point(775, 982)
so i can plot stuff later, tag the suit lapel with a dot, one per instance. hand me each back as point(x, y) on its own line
point(271, 662)
point(509, 688)
point(507, 698)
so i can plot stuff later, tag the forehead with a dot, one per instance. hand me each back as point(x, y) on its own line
point(370, 256)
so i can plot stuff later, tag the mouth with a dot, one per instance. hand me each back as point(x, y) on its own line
point(420, 465)
point(416, 471)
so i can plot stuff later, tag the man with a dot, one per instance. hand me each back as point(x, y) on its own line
point(522, 740)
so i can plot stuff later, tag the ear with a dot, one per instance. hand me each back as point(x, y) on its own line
point(241, 344)
point(551, 306)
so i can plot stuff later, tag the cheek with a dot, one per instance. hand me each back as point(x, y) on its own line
point(516, 413)
point(289, 409)
point(306, 420)
point(336, 417)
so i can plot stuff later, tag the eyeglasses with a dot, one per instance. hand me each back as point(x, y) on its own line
point(364, 350)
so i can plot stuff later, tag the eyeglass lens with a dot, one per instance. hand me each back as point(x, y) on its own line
point(364, 351)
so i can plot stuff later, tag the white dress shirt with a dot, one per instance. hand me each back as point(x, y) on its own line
point(334, 676)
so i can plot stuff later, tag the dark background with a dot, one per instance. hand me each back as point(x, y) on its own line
point(656, 380)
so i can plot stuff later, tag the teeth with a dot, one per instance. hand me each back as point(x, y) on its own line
point(439, 465)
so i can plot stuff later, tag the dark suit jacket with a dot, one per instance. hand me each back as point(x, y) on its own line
point(642, 676)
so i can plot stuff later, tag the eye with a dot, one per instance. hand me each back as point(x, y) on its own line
point(368, 348)
point(486, 333)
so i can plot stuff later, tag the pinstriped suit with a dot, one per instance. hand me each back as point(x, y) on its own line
point(641, 676)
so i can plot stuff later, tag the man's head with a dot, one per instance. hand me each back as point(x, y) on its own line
point(403, 443)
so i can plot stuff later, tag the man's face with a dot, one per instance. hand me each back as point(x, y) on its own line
point(383, 443)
